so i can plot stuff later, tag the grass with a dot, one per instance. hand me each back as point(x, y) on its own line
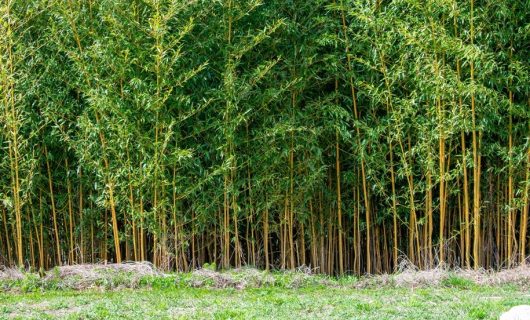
point(138, 291)
point(312, 302)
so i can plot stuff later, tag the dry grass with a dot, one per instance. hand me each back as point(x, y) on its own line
point(518, 276)
point(10, 274)
point(84, 276)
point(211, 278)
point(95, 271)
point(236, 278)
point(130, 275)
point(409, 276)
point(80, 277)
point(253, 278)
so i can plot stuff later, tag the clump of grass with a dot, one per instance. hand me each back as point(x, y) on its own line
point(108, 276)
point(80, 277)
point(28, 282)
point(456, 281)
point(409, 276)
point(10, 274)
point(478, 312)
point(236, 278)
point(242, 278)
point(519, 276)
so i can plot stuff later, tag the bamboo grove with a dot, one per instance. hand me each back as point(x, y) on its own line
point(342, 135)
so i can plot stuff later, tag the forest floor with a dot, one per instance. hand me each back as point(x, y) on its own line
point(253, 294)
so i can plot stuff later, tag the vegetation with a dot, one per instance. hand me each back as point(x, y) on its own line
point(335, 134)
point(307, 303)
point(210, 294)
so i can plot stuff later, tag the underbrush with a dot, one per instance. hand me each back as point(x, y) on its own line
point(80, 277)
point(145, 275)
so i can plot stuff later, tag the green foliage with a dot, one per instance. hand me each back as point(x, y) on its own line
point(141, 124)
point(455, 281)
point(210, 266)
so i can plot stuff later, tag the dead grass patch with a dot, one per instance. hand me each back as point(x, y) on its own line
point(85, 276)
point(10, 274)
point(410, 276)
point(130, 275)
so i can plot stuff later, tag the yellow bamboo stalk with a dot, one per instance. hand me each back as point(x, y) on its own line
point(476, 158)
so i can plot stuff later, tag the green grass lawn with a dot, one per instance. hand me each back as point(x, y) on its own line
point(313, 302)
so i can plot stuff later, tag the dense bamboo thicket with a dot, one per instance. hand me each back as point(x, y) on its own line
point(343, 135)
